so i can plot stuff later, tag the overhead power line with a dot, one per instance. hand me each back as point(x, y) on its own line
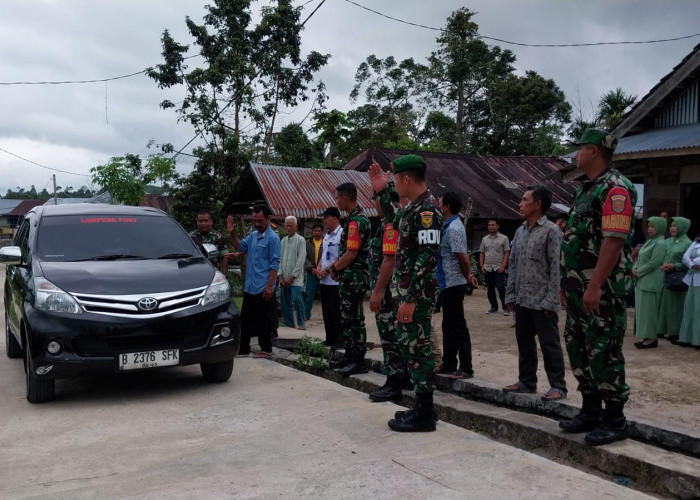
point(40, 165)
point(501, 40)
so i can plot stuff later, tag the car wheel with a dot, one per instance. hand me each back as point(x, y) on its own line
point(38, 390)
point(217, 372)
point(14, 349)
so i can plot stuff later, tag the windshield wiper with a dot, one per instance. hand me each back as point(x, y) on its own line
point(176, 256)
point(117, 256)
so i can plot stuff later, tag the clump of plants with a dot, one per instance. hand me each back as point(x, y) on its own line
point(313, 355)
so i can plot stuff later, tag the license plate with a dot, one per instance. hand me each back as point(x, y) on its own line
point(149, 359)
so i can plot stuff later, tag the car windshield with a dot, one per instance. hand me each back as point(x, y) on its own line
point(73, 238)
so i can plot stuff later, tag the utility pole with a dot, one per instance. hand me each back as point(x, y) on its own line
point(55, 200)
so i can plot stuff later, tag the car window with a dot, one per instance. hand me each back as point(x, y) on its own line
point(111, 237)
point(22, 239)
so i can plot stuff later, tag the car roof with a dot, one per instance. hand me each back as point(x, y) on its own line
point(95, 209)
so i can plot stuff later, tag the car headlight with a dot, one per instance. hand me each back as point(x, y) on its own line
point(218, 291)
point(48, 297)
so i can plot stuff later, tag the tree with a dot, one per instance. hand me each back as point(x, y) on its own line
point(461, 71)
point(612, 107)
point(293, 147)
point(243, 65)
point(121, 179)
point(332, 127)
point(528, 115)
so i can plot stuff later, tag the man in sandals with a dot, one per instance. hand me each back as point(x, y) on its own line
point(533, 291)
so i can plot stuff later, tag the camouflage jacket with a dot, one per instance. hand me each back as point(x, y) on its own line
point(381, 243)
point(356, 236)
point(603, 207)
point(419, 226)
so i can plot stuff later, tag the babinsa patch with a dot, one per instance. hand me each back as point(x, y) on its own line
point(426, 219)
point(618, 202)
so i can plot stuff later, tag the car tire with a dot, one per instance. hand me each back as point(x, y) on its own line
point(38, 390)
point(13, 348)
point(217, 372)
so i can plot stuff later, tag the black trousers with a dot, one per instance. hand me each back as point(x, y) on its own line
point(255, 321)
point(531, 323)
point(330, 307)
point(495, 281)
point(456, 342)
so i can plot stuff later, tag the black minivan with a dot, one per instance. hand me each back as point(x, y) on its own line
point(116, 288)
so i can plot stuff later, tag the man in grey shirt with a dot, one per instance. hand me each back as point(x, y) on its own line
point(493, 259)
point(533, 291)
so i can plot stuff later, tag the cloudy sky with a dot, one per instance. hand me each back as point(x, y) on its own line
point(65, 130)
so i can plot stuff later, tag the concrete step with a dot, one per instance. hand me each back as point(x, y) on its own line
point(527, 422)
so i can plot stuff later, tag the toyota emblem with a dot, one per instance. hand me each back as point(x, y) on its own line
point(147, 304)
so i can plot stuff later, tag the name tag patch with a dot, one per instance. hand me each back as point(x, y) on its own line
point(428, 237)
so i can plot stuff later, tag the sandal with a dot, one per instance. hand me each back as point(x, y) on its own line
point(262, 355)
point(518, 387)
point(554, 394)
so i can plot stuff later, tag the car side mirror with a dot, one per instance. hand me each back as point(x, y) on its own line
point(11, 255)
point(211, 252)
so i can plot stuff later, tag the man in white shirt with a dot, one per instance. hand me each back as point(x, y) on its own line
point(330, 296)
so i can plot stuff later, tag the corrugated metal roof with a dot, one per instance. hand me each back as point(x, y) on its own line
point(302, 192)
point(7, 205)
point(494, 183)
point(25, 206)
point(687, 136)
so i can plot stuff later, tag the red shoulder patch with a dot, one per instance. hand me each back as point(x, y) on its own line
point(617, 211)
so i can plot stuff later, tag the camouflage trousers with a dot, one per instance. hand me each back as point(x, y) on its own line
point(386, 326)
point(352, 322)
point(416, 349)
point(594, 345)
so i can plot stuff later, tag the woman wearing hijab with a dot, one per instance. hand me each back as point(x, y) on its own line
point(649, 284)
point(690, 327)
point(671, 309)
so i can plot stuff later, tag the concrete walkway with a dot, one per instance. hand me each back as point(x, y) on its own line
point(659, 459)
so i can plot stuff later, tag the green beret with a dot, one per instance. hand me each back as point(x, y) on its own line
point(597, 137)
point(409, 162)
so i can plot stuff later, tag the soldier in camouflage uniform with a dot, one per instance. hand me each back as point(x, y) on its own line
point(382, 256)
point(351, 270)
point(205, 233)
point(596, 278)
point(415, 285)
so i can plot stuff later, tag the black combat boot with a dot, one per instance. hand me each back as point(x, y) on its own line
point(612, 427)
point(342, 362)
point(356, 365)
point(404, 414)
point(390, 391)
point(587, 419)
point(420, 419)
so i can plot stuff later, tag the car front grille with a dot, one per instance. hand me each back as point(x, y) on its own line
point(127, 306)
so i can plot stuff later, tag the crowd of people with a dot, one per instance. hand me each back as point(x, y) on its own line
point(666, 297)
point(582, 264)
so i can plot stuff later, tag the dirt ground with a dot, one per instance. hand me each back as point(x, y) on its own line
point(665, 386)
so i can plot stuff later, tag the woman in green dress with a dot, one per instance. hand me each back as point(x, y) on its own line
point(671, 309)
point(690, 327)
point(649, 283)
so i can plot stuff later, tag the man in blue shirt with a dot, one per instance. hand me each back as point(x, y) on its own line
point(264, 250)
point(453, 276)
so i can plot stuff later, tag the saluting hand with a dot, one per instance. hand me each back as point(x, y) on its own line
point(378, 178)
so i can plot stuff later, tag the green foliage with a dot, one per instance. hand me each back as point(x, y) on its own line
point(121, 177)
point(612, 107)
point(332, 128)
point(292, 147)
point(313, 355)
